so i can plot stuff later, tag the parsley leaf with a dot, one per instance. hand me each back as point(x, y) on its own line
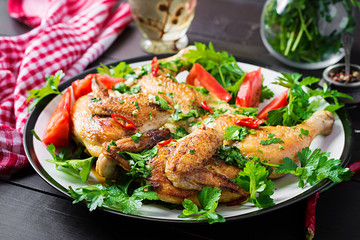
point(122, 88)
point(178, 115)
point(180, 133)
point(300, 107)
point(159, 101)
point(236, 133)
point(136, 137)
point(208, 199)
point(115, 195)
point(253, 179)
point(82, 166)
point(138, 166)
point(314, 167)
point(231, 155)
point(122, 70)
point(51, 87)
point(271, 141)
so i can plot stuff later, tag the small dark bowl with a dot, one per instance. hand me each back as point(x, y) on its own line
point(352, 89)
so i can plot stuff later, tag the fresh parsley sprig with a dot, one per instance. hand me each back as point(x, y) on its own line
point(253, 179)
point(231, 155)
point(66, 159)
point(302, 103)
point(208, 198)
point(138, 166)
point(314, 167)
point(116, 195)
point(51, 87)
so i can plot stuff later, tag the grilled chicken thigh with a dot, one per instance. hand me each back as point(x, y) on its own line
point(92, 125)
point(294, 139)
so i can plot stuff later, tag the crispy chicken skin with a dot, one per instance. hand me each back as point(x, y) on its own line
point(92, 125)
point(167, 192)
point(186, 166)
point(183, 95)
point(110, 156)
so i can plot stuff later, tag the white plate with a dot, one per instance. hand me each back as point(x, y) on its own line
point(287, 192)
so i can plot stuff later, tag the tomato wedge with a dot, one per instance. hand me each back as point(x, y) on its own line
point(250, 90)
point(198, 76)
point(58, 129)
point(83, 86)
point(108, 81)
point(278, 102)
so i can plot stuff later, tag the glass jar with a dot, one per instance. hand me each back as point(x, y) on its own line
point(306, 34)
point(163, 24)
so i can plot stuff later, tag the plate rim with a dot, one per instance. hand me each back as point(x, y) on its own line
point(34, 162)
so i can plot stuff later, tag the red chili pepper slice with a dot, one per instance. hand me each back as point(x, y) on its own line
point(206, 107)
point(154, 66)
point(249, 122)
point(129, 124)
point(166, 142)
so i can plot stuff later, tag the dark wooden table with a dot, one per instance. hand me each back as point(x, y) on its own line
point(32, 209)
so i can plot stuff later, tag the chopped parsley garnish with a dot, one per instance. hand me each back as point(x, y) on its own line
point(136, 137)
point(179, 115)
point(124, 89)
point(180, 133)
point(159, 101)
point(303, 132)
point(138, 166)
point(231, 155)
point(98, 99)
point(201, 90)
point(236, 133)
point(192, 151)
point(271, 141)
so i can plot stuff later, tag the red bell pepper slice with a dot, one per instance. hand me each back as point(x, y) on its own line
point(166, 142)
point(206, 107)
point(154, 66)
point(128, 124)
point(198, 76)
point(250, 90)
point(58, 128)
point(83, 86)
point(278, 102)
point(249, 122)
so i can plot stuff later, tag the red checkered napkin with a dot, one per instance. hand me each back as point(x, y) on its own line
point(68, 35)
